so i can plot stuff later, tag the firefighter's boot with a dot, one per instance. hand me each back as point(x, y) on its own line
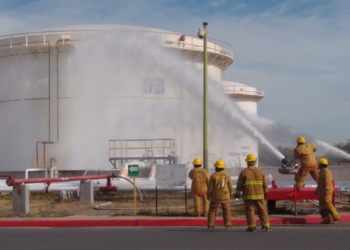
point(267, 229)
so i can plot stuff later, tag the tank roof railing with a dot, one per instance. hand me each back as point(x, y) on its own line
point(36, 38)
point(142, 148)
point(192, 42)
point(169, 39)
point(242, 90)
point(211, 156)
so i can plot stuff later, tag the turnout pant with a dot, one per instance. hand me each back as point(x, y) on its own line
point(197, 198)
point(262, 213)
point(226, 213)
point(302, 173)
point(327, 209)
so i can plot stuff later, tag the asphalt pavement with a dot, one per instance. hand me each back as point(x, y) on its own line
point(153, 221)
point(286, 238)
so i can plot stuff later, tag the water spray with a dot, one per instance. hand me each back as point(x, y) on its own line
point(237, 115)
point(333, 150)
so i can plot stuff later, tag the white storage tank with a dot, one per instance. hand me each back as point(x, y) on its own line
point(247, 98)
point(66, 93)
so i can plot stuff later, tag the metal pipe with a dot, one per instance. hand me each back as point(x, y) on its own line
point(141, 198)
point(315, 202)
point(37, 155)
point(342, 202)
point(53, 172)
point(44, 152)
point(34, 170)
point(99, 207)
point(58, 97)
point(49, 88)
point(205, 99)
point(44, 149)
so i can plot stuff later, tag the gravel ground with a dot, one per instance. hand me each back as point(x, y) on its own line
point(121, 204)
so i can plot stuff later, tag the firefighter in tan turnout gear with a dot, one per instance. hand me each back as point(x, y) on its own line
point(325, 193)
point(199, 188)
point(305, 152)
point(252, 182)
point(220, 192)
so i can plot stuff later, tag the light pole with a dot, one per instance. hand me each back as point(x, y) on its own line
point(202, 33)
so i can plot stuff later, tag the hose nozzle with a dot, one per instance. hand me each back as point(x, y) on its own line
point(284, 161)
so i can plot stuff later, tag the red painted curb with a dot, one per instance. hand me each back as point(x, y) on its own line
point(170, 222)
point(157, 222)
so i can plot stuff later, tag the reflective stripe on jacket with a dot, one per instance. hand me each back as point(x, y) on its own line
point(252, 181)
point(200, 178)
point(305, 152)
point(220, 187)
point(325, 182)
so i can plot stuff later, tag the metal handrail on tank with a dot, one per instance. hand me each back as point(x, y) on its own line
point(188, 42)
point(212, 157)
point(215, 45)
point(121, 151)
point(150, 148)
point(242, 90)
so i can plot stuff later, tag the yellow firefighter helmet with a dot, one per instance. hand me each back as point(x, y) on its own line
point(197, 161)
point(220, 164)
point(250, 158)
point(323, 161)
point(301, 139)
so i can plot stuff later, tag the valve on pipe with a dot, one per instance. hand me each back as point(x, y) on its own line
point(109, 187)
point(10, 180)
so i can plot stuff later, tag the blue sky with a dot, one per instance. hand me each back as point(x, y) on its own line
point(297, 51)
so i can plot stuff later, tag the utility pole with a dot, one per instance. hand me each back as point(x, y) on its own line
point(202, 33)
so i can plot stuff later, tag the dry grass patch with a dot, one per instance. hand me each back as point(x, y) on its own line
point(170, 203)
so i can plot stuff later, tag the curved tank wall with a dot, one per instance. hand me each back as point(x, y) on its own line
point(246, 98)
point(46, 95)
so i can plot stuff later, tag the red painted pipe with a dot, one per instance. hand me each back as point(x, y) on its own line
point(11, 181)
point(291, 193)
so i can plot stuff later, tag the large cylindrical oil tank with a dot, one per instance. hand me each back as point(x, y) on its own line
point(58, 99)
point(246, 97)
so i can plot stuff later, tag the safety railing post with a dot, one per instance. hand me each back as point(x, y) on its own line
point(186, 198)
point(295, 199)
point(156, 200)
